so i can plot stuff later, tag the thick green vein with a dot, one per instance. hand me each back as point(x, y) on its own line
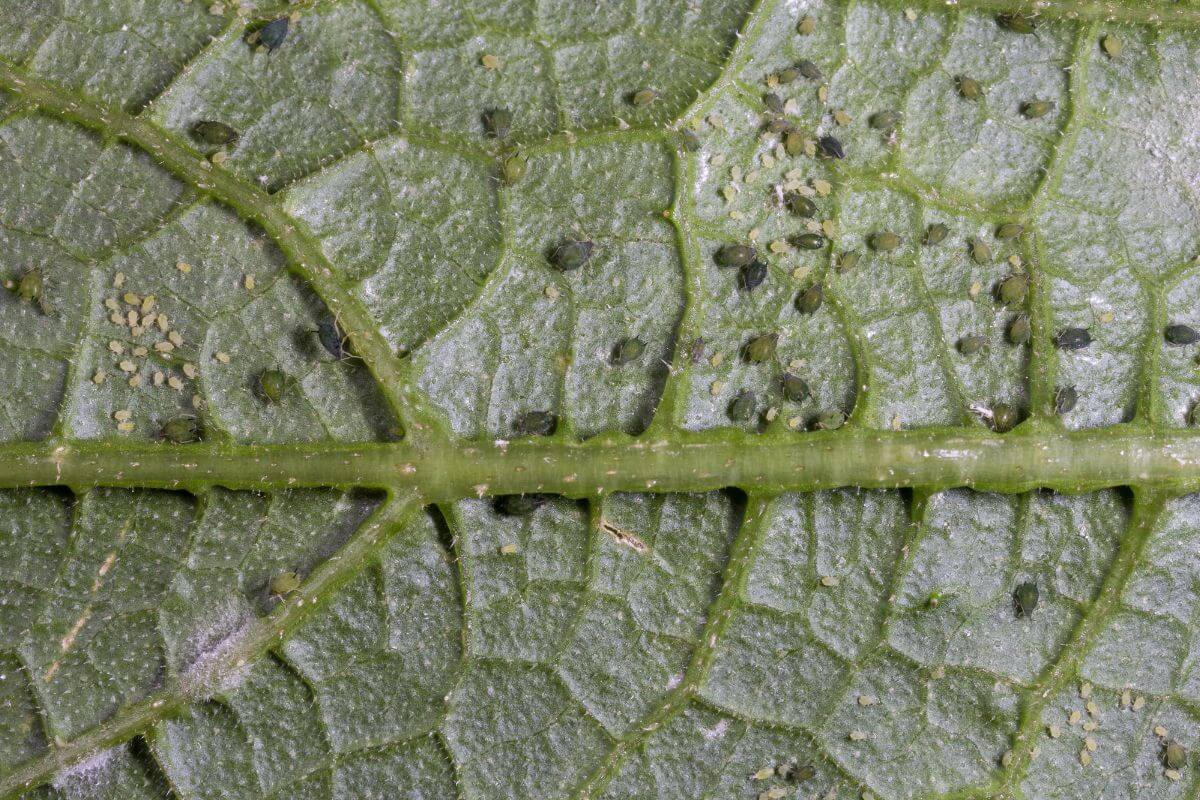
point(304, 254)
point(1172, 14)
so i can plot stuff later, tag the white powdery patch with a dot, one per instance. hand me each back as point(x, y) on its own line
point(212, 668)
point(717, 731)
point(88, 772)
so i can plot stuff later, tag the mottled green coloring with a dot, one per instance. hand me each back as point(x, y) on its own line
point(182, 430)
point(627, 350)
point(742, 407)
point(735, 255)
point(884, 241)
point(571, 254)
point(760, 348)
point(284, 583)
point(810, 299)
point(1025, 598)
point(936, 234)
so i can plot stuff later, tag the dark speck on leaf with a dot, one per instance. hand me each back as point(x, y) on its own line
point(1181, 334)
point(273, 34)
point(830, 147)
point(1072, 339)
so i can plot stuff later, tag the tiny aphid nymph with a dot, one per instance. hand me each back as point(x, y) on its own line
point(809, 70)
point(273, 384)
point(848, 260)
point(1009, 230)
point(806, 26)
point(519, 505)
point(760, 348)
point(830, 147)
point(31, 287)
point(514, 169)
point(1016, 22)
point(1025, 599)
point(793, 143)
point(751, 276)
point(773, 102)
point(1112, 45)
point(330, 334)
point(1012, 290)
point(1072, 339)
point(794, 388)
point(644, 98)
point(284, 583)
point(742, 407)
point(800, 205)
point(273, 34)
point(182, 430)
point(1004, 417)
point(735, 255)
point(968, 88)
point(1035, 109)
point(1174, 755)
point(535, 423)
point(1065, 399)
point(688, 140)
point(497, 122)
point(1020, 331)
point(210, 131)
point(884, 120)
point(829, 420)
point(971, 345)
point(1181, 334)
point(571, 254)
point(810, 299)
point(884, 241)
point(627, 350)
point(810, 241)
point(981, 252)
point(936, 234)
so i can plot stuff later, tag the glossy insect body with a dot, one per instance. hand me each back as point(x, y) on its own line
point(1072, 339)
point(535, 423)
point(810, 241)
point(1025, 599)
point(936, 233)
point(1065, 399)
point(628, 350)
point(885, 241)
point(830, 147)
point(1181, 334)
point(212, 132)
point(285, 583)
point(31, 287)
point(810, 299)
point(742, 407)
point(735, 255)
point(273, 384)
point(1009, 230)
point(644, 98)
point(1004, 417)
point(751, 276)
point(794, 388)
point(182, 430)
point(329, 333)
point(1036, 108)
point(830, 420)
point(519, 505)
point(760, 348)
point(968, 88)
point(971, 345)
point(571, 254)
point(1019, 330)
point(800, 205)
point(1174, 755)
point(514, 169)
point(1012, 290)
point(981, 253)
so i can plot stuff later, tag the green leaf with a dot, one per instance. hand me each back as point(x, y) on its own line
point(372, 581)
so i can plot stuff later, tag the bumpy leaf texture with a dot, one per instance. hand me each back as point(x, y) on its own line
point(842, 643)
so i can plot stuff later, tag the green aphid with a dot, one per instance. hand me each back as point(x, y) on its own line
point(972, 344)
point(182, 430)
point(736, 255)
point(1072, 339)
point(1016, 22)
point(793, 143)
point(1174, 755)
point(1112, 45)
point(794, 388)
point(1034, 109)
point(848, 260)
point(1009, 230)
point(284, 583)
point(571, 254)
point(1025, 599)
point(742, 407)
point(1012, 290)
point(778, 125)
point(519, 505)
point(936, 234)
point(981, 251)
point(760, 348)
point(644, 98)
point(1004, 418)
point(884, 120)
point(210, 131)
point(800, 205)
point(273, 384)
point(689, 140)
point(810, 241)
point(810, 299)
point(514, 168)
point(884, 241)
point(1020, 331)
point(535, 423)
point(968, 88)
point(806, 26)
point(31, 287)
point(1181, 334)
point(627, 350)
point(497, 122)
point(788, 75)
point(773, 102)
point(829, 420)
point(1065, 399)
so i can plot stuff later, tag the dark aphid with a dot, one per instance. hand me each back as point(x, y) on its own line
point(830, 147)
point(1012, 290)
point(644, 98)
point(1009, 230)
point(742, 407)
point(1174, 755)
point(182, 430)
point(972, 344)
point(794, 388)
point(514, 169)
point(778, 125)
point(688, 140)
point(628, 350)
point(535, 423)
point(788, 75)
point(810, 299)
point(212, 132)
point(809, 70)
point(696, 348)
point(1036, 108)
point(806, 25)
point(829, 420)
point(1065, 398)
point(810, 241)
point(284, 583)
point(799, 774)
point(968, 88)
point(760, 348)
point(273, 384)
point(884, 120)
point(329, 333)
point(519, 505)
point(936, 233)
point(1112, 45)
point(751, 276)
point(1181, 334)
point(800, 205)
point(793, 143)
point(497, 122)
point(1004, 418)
point(773, 102)
point(736, 255)
point(1025, 599)
point(1020, 331)
point(981, 251)
point(848, 260)
point(884, 241)
point(1017, 23)
point(571, 254)
point(272, 34)
point(1072, 339)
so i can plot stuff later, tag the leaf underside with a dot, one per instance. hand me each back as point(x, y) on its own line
point(330, 593)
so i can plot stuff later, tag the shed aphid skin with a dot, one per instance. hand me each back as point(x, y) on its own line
point(935, 234)
point(751, 276)
point(1017, 22)
point(1112, 45)
point(182, 430)
point(884, 241)
point(829, 420)
point(773, 102)
point(1009, 230)
point(760, 348)
point(210, 131)
point(736, 255)
point(793, 388)
point(968, 88)
point(1020, 331)
point(830, 147)
point(535, 423)
point(1025, 599)
point(971, 345)
point(284, 583)
point(273, 384)
point(643, 98)
point(1012, 290)
point(884, 120)
point(627, 350)
point(742, 407)
point(1033, 109)
point(981, 252)
point(571, 254)
point(513, 169)
point(810, 299)
point(1065, 399)
point(1174, 755)
point(519, 505)
point(497, 122)
point(800, 205)
point(1072, 339)
point(273, 34)
point(1004, 418)
point(1181, 334)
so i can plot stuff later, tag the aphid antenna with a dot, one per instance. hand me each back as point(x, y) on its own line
point(982, 410)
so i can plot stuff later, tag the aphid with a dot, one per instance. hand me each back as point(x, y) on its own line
point(628, 350)
point(644, 98)
point(1017, 23)
point(788, 75)
point(1020, 331)
point(31, 287)
point(1065, 398)
point(273, 33)
point(1012, 290)
point(829, 420)
point(806, 26)
point(696, 349)
point(884, 241)
point(794, 388)
point(688, 140)
point(1174, 755)
point(273, 384)
point(519, 505)
point(793, 143)
point(809, 70)
point(1072, 339)
point(742, 407)
point(972, 344)
point(884, 120)
point(1036, 108)
point(1181, 334)
point(1004, 418)
point(830, 147)
point(981, 252)
point(1025, 598)
point(212, 132)
point(1112, 45)
point(778, 125)
point(760, 348)
point(284, 583)
point(514, 169)
point(848, 260)
point(497, 122)
point(773, 102)
point(810, 299)
point(182, 430)
point(736, 255)
point(800, 205)
point(535, 423)
point(329, 333)
point(810, 241)
point(936, 233)
point(1009, 230)
point(751, 276)
point(1193, 417)
point(968, 88)
point(571, 254)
